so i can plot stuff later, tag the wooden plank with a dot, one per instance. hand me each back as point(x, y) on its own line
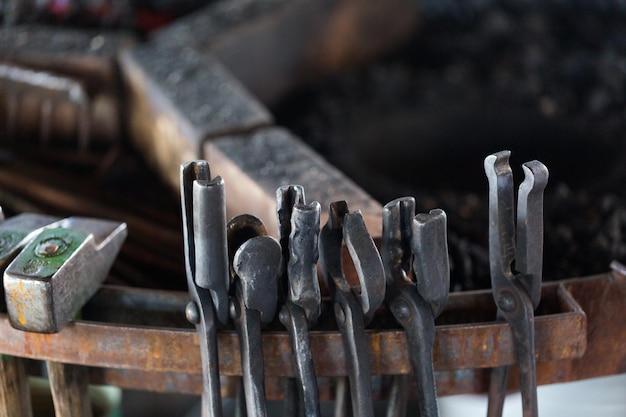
point(69, 384)
point(14, 390)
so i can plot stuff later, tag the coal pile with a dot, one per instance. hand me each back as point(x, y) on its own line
point(546, 80)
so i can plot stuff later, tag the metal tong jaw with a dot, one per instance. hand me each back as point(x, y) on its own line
point(516, 268)
point(59, 270)
point(353, 306)
point(299, 226)
point(255, 266)
point(421, 242)
point(206, 264)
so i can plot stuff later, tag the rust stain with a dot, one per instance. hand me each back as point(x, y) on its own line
point(376, 352)
point(19, 306)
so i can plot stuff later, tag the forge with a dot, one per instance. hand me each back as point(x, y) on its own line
point(354, 100)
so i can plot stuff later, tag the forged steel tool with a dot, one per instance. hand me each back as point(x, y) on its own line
point(15, 233)
point(59, 270)
point(299, 226)
point(206, 263)
point(48, 283)
point(255, 266)
point(354, 306)
point(419, 242)
point(516, 267)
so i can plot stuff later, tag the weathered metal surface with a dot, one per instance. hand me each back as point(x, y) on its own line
point(59, 270)
point(561, 334)
point(179, 98)
point(33, 42)
point(255, 165)
point(603, 303)
point(588, 344)
point(293, 42)
point(85, 61)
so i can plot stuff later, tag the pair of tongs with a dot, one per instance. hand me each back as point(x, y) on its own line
point(516, 263)
point(299, 226)
point(255, 262)
point(206, 264)
point(354, 306)
point(418, 242)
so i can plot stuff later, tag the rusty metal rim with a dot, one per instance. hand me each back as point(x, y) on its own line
point(157, 349)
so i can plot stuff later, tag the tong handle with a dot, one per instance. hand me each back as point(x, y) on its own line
point(416, 317)
point(350, 321)
point(294, 319)
point(248, 325)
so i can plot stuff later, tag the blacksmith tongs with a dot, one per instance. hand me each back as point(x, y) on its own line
point(421, 241)
point(354, 306)
point(299, 226)
point(516, 263)
point(255, 266)
point(206, 263)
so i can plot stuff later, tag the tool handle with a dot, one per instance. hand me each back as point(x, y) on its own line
point(201, 313)
point(398, 396)
point(351, 324)
point(248, 326)
point(294, 319)
point(416, 317)
point(523, 328)
point(497, 391)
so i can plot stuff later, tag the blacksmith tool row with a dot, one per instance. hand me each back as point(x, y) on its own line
point(235, 271)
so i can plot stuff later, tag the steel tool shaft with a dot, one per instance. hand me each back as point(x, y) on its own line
point(419, 242)
point(353, 307)
point(255, 265)
point(516, 269)
point(206, 264)
point(299, 226)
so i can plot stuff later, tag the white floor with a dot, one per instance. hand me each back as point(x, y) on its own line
point(601, 397)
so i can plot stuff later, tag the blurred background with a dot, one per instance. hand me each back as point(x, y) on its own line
point(545, 79)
